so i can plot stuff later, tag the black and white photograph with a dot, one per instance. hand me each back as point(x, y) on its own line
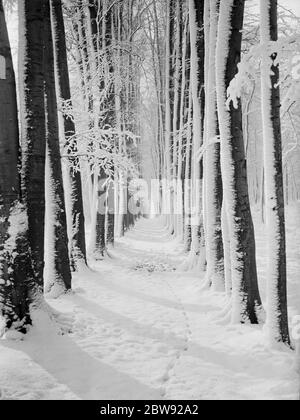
point(149, 203)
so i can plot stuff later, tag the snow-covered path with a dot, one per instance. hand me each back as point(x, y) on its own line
point(134, 328)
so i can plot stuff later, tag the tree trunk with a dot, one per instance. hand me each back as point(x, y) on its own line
point(168, 117)
point(17, 283)
point(277, 314)
point(182, 122)
point(246, 301)
point(33, 133)
point(176, 112)
point(187, 185)
point(110, 213)
point(59, 264)
point(212, 168)
point(196, 10)
point(100, 247)
point(102, 38)
point(78, 242)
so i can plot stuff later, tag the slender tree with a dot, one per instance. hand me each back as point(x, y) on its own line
point(212, 170)
point(182, 122)
point(246, 302)
point(187, 183)
point(78, 243)
point(119, 174)
point(196, 14)
point(100, 43)
point(176, 112)
point(168, 118)
point(277, 314)
point(17, 282)
point(59, 264)
point(33, 131)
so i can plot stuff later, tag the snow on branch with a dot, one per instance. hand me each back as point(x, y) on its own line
point(280, 52)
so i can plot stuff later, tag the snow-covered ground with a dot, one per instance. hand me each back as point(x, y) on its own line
point(134, 328)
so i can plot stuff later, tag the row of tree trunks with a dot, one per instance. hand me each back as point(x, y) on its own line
point(33, 127)
point(59, 275)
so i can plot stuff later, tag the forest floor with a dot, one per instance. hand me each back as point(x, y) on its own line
point(136, 327)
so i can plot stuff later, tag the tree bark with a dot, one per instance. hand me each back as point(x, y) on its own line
point(17, 280)
point(246, 301)
point(196, 13)
point(277, 313)
point(78, 242)
point(59, 264)
point(168, 117)
point(33, 132)
point(212, 167)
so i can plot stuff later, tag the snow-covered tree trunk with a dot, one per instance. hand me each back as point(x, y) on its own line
point(32, 122)
point(246, 302)
point(100, 227)
point(176, 112)
point(196, 10)
point(59, 277)
point(160, 88)
point(110, 213)
point(95, 38)
point(212, 168)
point(277, 315)
point(120, 174)
point(187, 184)
point(104, 34)
point(78, 242)
point(17, 282)
point(182, 121)
point(226, 247)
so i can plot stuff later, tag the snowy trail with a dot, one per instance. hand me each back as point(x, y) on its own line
point(134, 328)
